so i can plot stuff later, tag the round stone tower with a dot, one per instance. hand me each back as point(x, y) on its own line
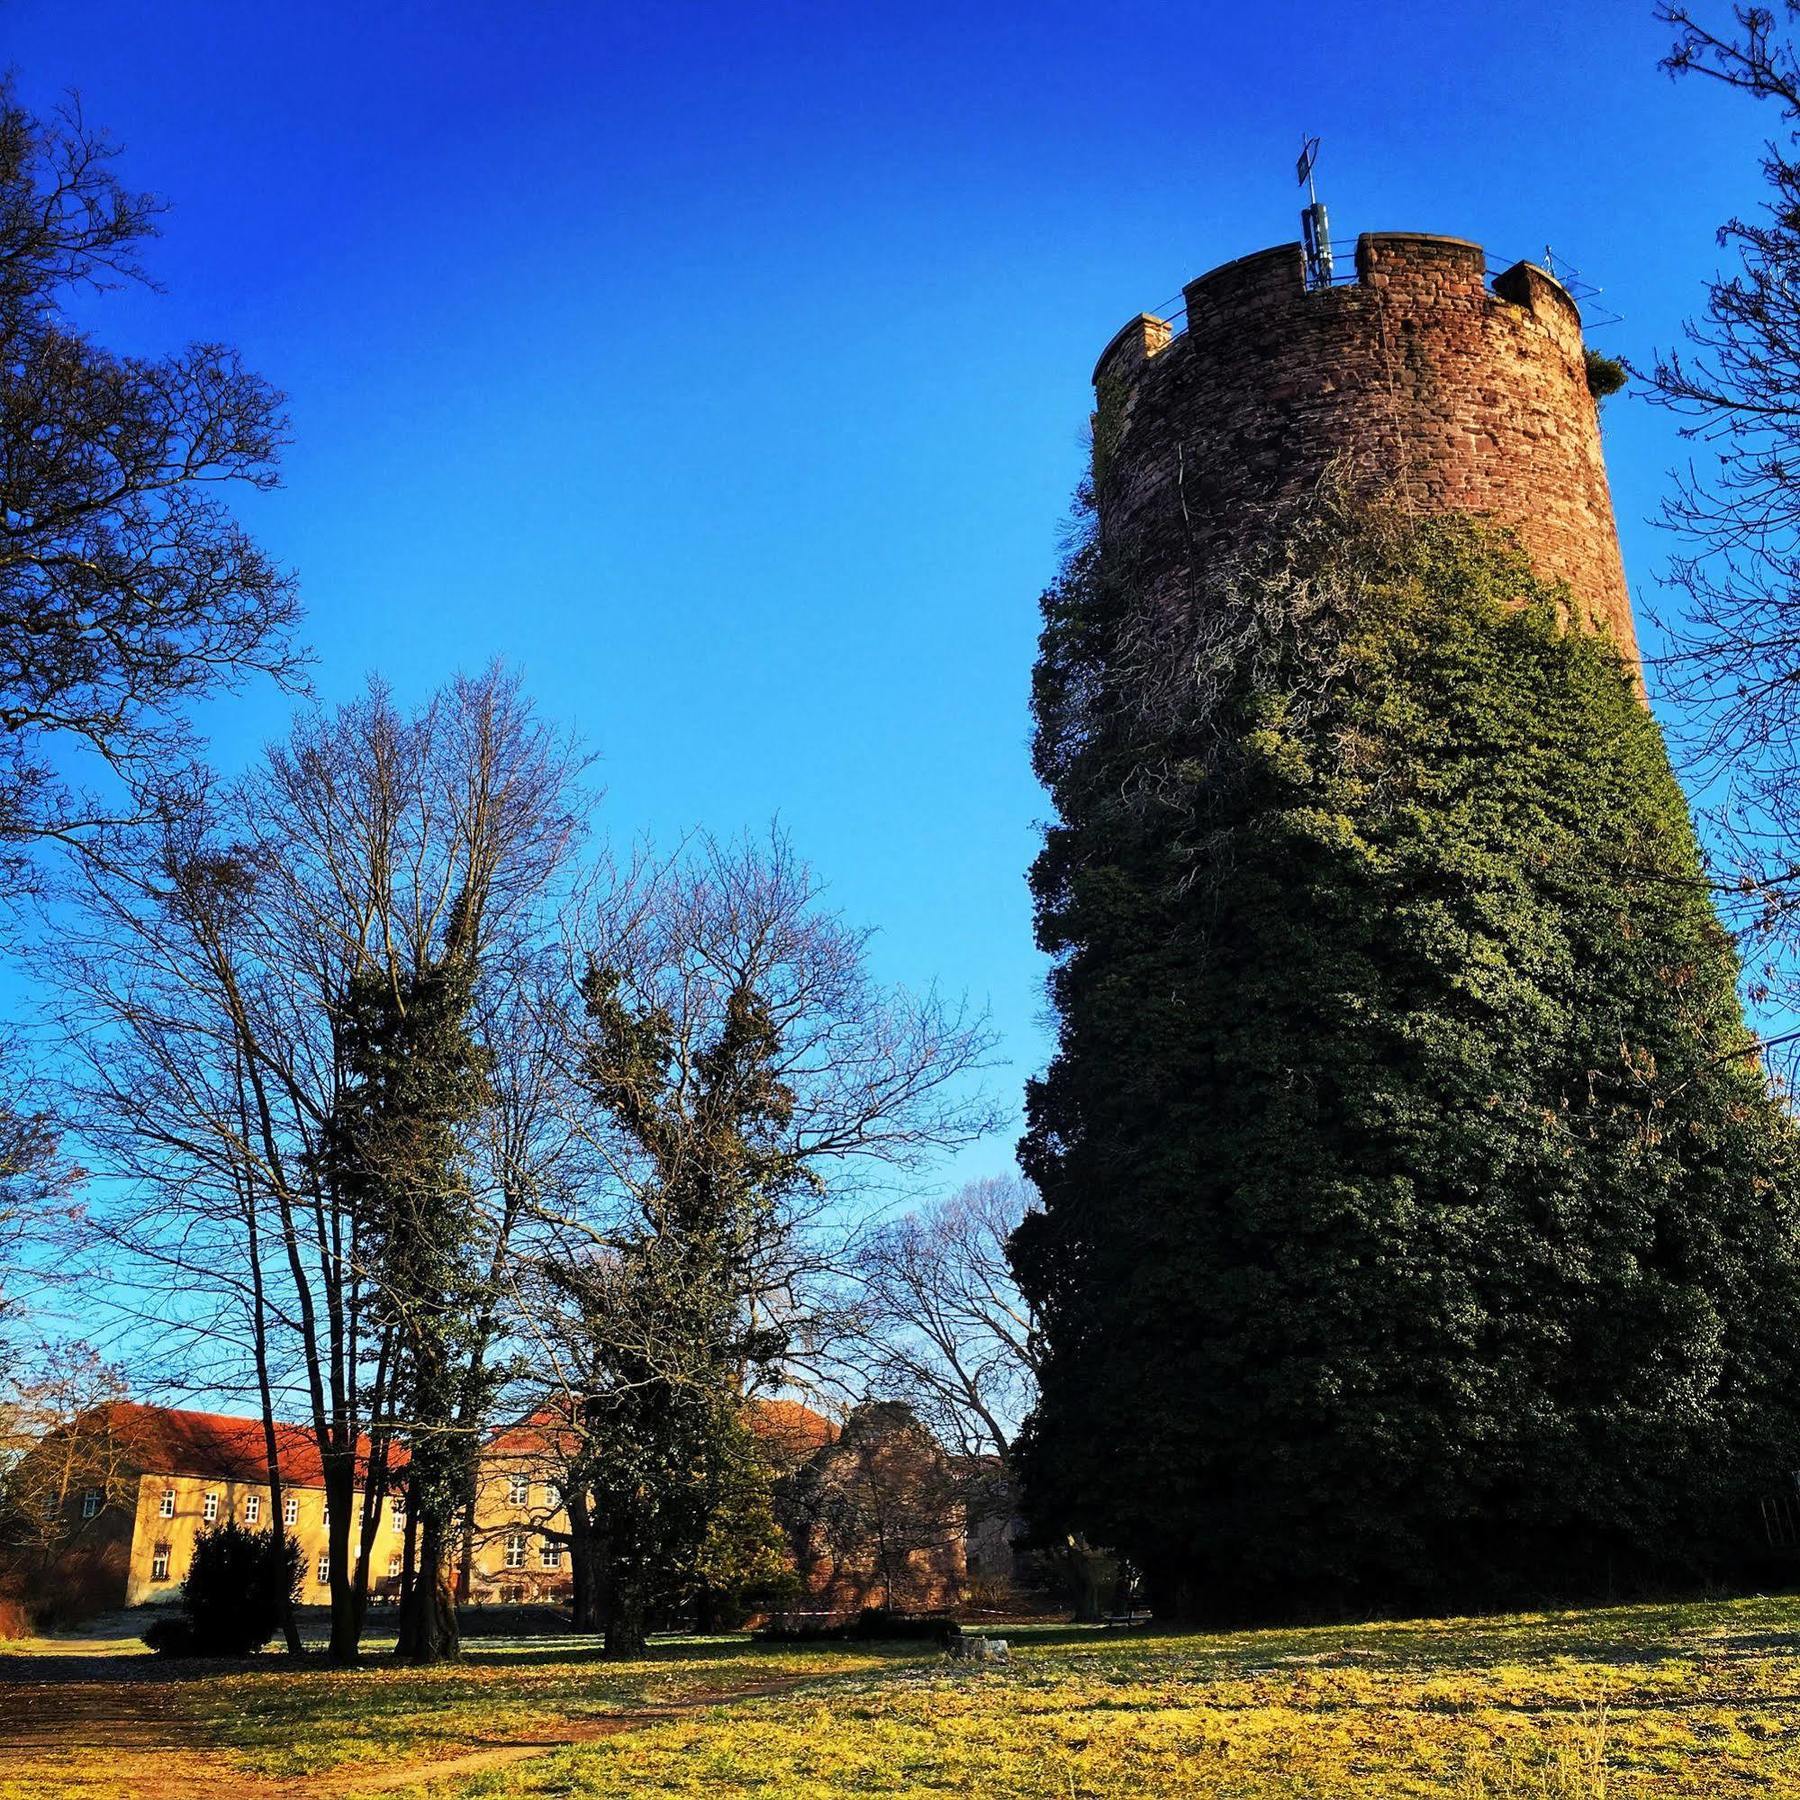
point(1417, 377)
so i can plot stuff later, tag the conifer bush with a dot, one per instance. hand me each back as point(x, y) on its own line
point(233, 1594)
point(1419, 1222)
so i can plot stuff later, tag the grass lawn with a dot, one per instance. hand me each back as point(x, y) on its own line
point(1673, 1700)
point(298, 1722)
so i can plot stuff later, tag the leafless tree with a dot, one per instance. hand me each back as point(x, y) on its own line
point(879, 1517)
point(207, 978)
point(1734, 642)
point(126, 587)
point(935, 1320)
point(36, 1181)
point(63, 1439)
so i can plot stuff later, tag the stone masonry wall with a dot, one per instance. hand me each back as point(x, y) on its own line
point(1450, 395)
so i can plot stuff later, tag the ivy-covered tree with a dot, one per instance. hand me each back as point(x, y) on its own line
point(736, 1070)
point(1419, 1225)
point(413, 1082)
point(303, 1032)
point(667, 1492)
point(668, 1340)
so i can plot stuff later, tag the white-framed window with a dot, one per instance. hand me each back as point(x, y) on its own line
point(90, 1503)
point(324, 1513)
point(549, 1556)
point(209, 1508)
point(515, 1550)
point(397, 1512)
point(324, 1567)
point(252, 1508)
point(167, 1509)
point(396, 1563)
point(518, 1490)
point(159, 1563)
point(290, 1511)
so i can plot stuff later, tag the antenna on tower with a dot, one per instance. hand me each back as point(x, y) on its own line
point(1315, 228)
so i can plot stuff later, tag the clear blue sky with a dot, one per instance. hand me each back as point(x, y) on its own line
point(725, 366)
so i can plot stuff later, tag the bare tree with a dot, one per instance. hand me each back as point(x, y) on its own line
point(126, 587)
point(935, 1319)
point(1734, 656)
point(216, 992)
point(879, 1516)
point(34, 1178)
point(67, 1461)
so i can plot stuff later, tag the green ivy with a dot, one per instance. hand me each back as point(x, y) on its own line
point(1418, 1226)
point(1605, 374)
point(1110, 396)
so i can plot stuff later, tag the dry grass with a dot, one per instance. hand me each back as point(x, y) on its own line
point(1671, 1701)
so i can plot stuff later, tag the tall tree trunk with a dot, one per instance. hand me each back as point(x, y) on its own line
point(623, 1604)
point(584, 1563)
point(349, 1596)
point(259, 1338)
point(409, 1574)
point(627, 1626)
point(278, 1531)
point(1084, 1564)
point(428, 1632)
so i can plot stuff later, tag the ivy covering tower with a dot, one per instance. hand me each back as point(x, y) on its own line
point(1419, 1224)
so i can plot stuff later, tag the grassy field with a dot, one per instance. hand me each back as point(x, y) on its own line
point(1678, 1700)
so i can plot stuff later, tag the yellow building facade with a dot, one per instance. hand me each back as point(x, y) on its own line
point(173, 1509)
point(172, 1474)
point(162, 1475)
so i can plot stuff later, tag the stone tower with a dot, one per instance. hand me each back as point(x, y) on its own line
point(1446, 392)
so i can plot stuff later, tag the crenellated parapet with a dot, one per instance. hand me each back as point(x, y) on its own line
point(1420, 376)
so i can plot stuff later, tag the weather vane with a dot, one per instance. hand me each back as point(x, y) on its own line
point(1315, 228)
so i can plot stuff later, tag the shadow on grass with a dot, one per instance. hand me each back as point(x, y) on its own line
point(1621, 1637)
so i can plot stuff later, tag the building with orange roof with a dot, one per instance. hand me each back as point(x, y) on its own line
point(172, 1472)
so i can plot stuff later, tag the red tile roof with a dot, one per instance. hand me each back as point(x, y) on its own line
point(544, 1430)
point(785, 1425)
point(170, 1440)
point(791, 1428)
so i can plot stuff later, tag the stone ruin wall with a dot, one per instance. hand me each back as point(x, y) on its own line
point(1448, 394)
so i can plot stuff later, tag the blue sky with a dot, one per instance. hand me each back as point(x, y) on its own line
point(725, 367)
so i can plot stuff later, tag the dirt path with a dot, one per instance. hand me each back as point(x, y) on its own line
point(117, 1738)
point(111, 1739)
point(575, 1731)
